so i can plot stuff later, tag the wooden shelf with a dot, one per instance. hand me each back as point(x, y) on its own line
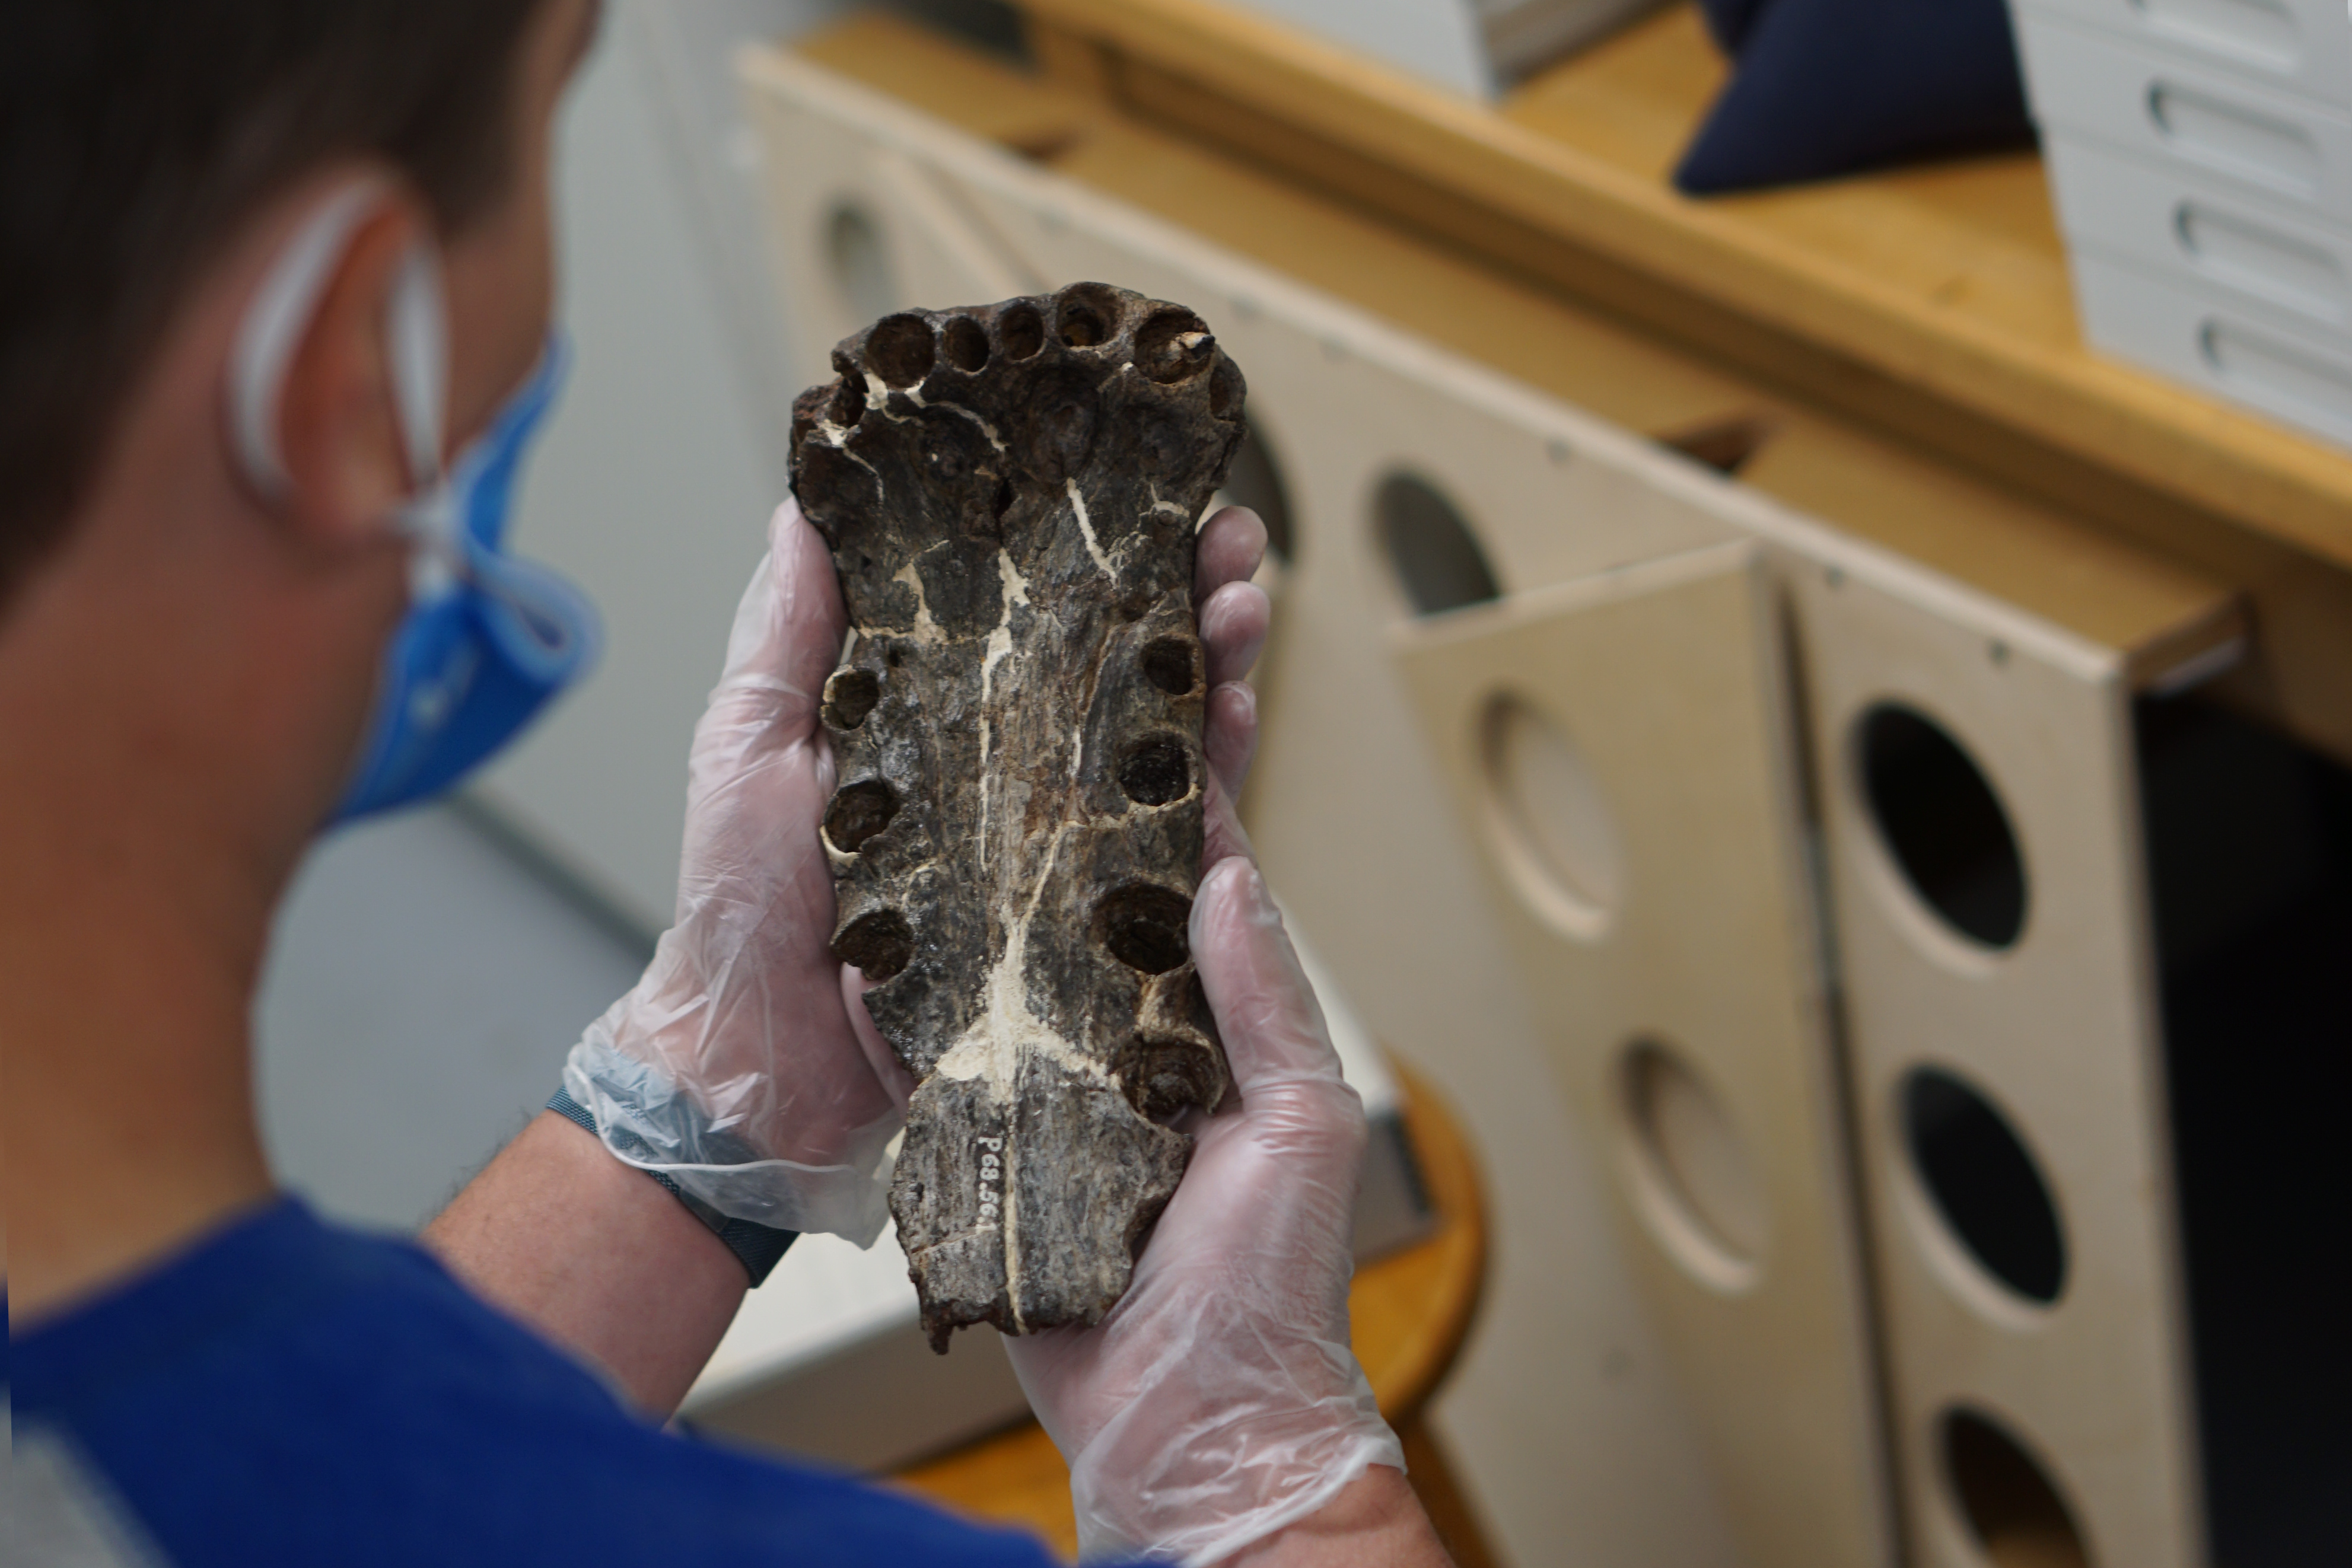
point(1907, 298)
point(1266, 141)
point(1972, 241)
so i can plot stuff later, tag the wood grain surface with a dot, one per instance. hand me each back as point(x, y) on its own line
point(1946, 279)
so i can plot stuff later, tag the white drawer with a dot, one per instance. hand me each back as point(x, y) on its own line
point(2203, 232)
point(2300, 378)
point(2093, 85)
point(2303, 44)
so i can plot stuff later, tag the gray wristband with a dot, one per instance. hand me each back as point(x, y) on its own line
point(759, 1247)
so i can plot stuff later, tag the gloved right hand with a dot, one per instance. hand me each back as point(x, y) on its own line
point(731, 1067)
point(1219, 1401)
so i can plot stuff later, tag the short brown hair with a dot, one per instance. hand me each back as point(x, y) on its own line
point(135, 135)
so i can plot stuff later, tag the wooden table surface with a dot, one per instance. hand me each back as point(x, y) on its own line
point(1411, 1312)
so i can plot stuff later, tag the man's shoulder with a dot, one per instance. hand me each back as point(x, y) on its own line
point(295, 1315)
point(293, 1393)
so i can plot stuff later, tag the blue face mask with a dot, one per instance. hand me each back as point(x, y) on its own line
point(488, 640)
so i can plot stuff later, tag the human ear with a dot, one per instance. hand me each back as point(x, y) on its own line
point(350, 450)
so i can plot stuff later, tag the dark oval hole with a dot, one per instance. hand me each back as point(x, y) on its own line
point(879, 943)
point(1984, 1183)
point(1435, 557)
point(849, 696)
point(1174, 346)
point(1167, 1079)
point(848, 402)
point(966, 343)
point(2012, 1505)
point(859, 811)
point(1173, 663)
point(1157, 770)
point(1021, 331)
point(1088, 316)
point(900, 348)
point(1256, 481)
point(1143, 924)
point(1943, 824)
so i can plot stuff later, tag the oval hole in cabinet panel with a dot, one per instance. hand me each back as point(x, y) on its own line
point(1694, 1179)
point(1554, 831)
point(2006, 1496)
point(2278, 152)
point(860, 260)
point(2263, 260)
point(1437, 559)
point(2262, 32)
point(1256, 481)
point(1985, 1183)
point(1941, 821)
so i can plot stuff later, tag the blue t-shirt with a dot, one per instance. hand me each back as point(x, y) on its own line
point(288, 1393)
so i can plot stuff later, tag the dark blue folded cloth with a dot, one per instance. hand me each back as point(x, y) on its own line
point(1829, 87)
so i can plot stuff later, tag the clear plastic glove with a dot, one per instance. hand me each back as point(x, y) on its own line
point(1219, 1401)
point(731, 1067)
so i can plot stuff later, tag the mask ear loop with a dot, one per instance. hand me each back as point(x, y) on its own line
point(273, 327)
point(416, 358)
point(416, 353)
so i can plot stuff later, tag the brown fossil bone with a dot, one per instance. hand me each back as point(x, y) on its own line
point(1010, 493)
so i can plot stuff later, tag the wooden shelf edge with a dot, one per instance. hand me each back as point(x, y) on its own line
point(2272, 482)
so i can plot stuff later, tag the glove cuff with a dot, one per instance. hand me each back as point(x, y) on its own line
point(759, 1247)
point(646, 1118)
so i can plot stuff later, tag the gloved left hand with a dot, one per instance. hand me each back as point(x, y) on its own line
point(731, 1067)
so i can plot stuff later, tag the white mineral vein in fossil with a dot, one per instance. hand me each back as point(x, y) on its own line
point(1086, 526)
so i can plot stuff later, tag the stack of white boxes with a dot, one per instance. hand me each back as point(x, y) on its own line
point(2201, 156)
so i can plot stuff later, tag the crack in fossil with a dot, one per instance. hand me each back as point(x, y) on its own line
point(1086, 528)
point(1017, 825)
point(1000, 648)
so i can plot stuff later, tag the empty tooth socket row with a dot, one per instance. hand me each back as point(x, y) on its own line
point(1141, 922)
point(1170, 345)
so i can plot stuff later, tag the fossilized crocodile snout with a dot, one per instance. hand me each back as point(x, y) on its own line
point(1010, 493)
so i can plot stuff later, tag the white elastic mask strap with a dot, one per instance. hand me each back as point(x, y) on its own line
point(282, 308)
point(418, 353)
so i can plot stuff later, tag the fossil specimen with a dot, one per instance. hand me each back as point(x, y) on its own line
point(1009, 493)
